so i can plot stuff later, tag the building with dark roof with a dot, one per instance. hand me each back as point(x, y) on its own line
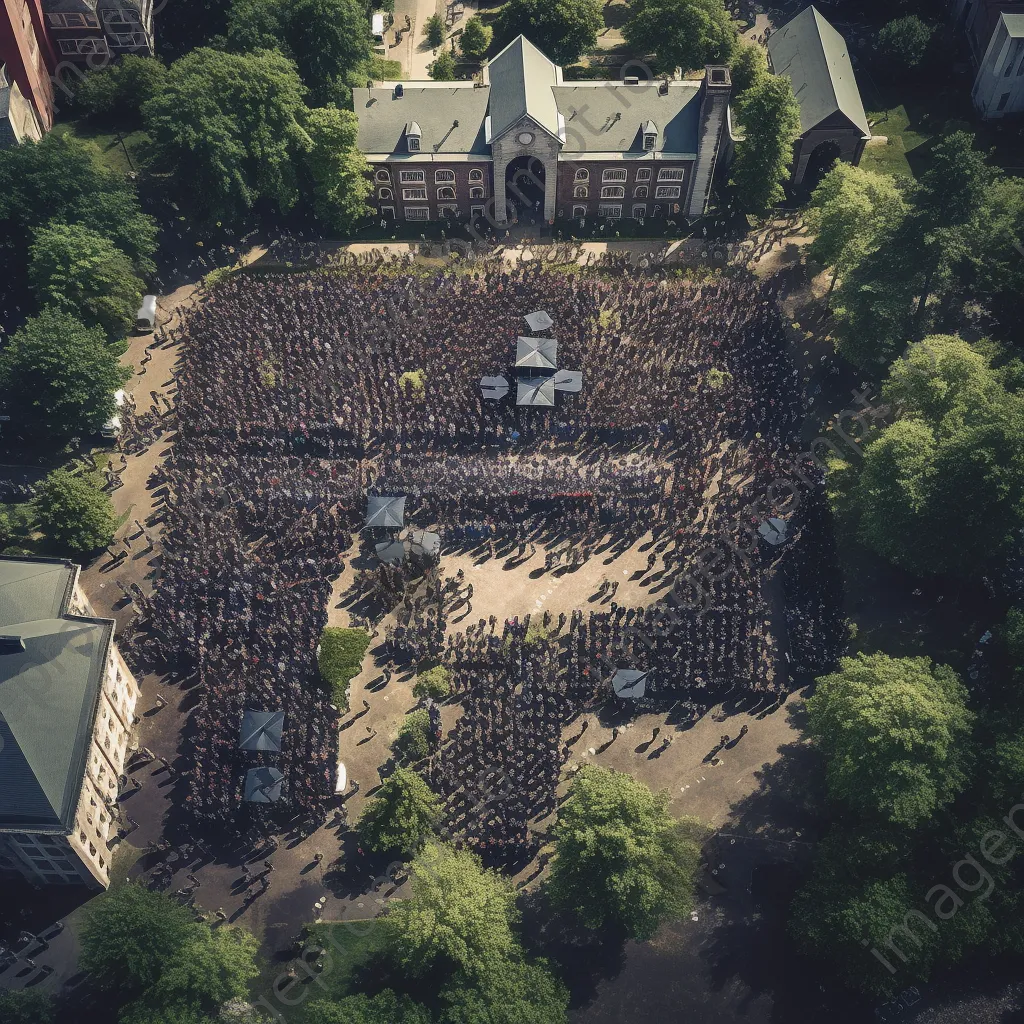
point(67, 704)
point(815, 58)
point(523, 140)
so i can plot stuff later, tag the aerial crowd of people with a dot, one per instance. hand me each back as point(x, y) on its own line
point(301, 393)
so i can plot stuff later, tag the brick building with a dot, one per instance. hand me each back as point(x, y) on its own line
point(815, 58)
point(522, 139)
point(28, 57)
point(90, 33)
point(67, 705)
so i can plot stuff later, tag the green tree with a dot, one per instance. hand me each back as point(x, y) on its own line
point(181, 1013)
point(83, 272)
point(60, 179)
point(401, 815)
point(383, 1008)
point(850, 211)
point(434, 30)
point(130, 935)
point(681, 33)
point(860, 897)
point(770, 116)
point(74, 513)
point(443, 67)
point(415, 738)
point(458, 918)
point(620, 860)
point(475, 39)
point(117, 91)
point(894, 732)
point(58, 377)
point(561, 29)
point(433, 682)
point(513, 991)
point(903, 43)
point(228, 125)
point(338, 170)
point(327, 39)
point(747, 65)
point(26, 1007)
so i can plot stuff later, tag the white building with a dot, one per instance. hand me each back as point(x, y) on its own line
point(67, 704)
point(999, 85)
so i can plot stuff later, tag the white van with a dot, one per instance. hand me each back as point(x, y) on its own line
point(112, 428)
point(145, 319)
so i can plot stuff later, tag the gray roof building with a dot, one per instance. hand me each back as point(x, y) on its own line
point(51, 670)
point(522, 80)
point(816, 60)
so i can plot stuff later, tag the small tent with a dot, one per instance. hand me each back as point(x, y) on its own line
point(385, 511)
point(539, 321)
point(261, 730)
point(494, 388)
point(263, 785)
point(569, 381)
point(535, 391)
point(536, 354)
point(629, 682)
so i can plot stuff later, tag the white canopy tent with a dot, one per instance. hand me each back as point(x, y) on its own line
point(539, 321)
point(385, 511)
point(629, 683)
point(536, 353)
point(537, 391)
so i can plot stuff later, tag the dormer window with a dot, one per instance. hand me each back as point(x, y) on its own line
point(412, 137)
point(650, 133)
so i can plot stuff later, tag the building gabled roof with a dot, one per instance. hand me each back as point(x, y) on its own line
point(816, 60)
point(521, 78)
point(1014, 25)
point(50, 676)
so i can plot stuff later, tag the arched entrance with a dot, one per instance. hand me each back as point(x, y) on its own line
point(524, 187)
point(821, 161)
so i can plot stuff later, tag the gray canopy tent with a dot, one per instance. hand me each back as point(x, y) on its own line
point(263, 785)
point(536, 354)
point(494, 388)
point(261, 730)
point(410, 542)
point(629, 682)
point(535, 391)
point(539, 321)
point(569, 381)
point(385, 511)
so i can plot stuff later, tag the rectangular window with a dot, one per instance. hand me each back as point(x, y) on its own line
point(671, 174)
point(667, 192)
point(414, 193)
point(417, 213)
point(129, 40)
point(643, 174)
point(639, 211)
point(613, 174)
point(476, 211)
point(1003, 100)
point(613, 192)
point(442, 177)
point(411, 176)
point(613, 212)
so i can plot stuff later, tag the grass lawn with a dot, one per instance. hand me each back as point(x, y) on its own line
point(891, 157)
point(108, 147)
point(347, 945)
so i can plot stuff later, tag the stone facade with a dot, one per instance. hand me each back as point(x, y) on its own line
point(842, 139)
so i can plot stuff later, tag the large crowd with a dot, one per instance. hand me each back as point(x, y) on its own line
point(295, 402)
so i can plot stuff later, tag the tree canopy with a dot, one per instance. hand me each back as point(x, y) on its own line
point(340, 182)
point(401, 815)
point(515, 991)
point(561, 29)
point(118, 90)
point(746, 66)
point(458, 917)
point(475, 39)
point(941, 490)
point(23, 1006)
point(443, 68)
point(58, 377)
point(82, 271)
point(770, 116)
point(229, 125)
point(681, 33)
point(383, 1008)
point(903, 43)
point(327, 39)
point(60, 179)
point(849, 213)
point(620, 860)
point(415, 738)
point(76, 516)
point(893, 732)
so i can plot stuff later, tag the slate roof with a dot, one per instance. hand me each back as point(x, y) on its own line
point(521, 79)
point(815, 58)
point(48, 693)
point(383, 117)
point(608, 117)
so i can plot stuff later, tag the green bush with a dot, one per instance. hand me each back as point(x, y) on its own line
point(415, 740)
point(435, 682)
point(340, 659)
point(435, 30)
